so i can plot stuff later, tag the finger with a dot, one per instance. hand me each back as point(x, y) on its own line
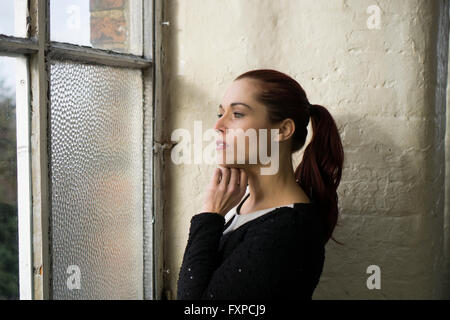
point(234, 178)
point(243, 180)
point(225, 176)
point(217, 176)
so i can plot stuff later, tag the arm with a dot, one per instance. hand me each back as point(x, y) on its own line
point(201, 255)
point(264, 265)
point(201, 258)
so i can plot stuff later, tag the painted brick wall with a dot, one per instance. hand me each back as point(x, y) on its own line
point(383, 77)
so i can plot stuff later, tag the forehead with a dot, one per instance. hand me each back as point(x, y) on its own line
point(242, 90)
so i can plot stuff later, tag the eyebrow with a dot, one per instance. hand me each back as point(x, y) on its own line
point(236, 103)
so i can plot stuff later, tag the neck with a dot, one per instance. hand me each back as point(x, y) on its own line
point(265, 188)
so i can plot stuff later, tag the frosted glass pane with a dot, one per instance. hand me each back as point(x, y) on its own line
point(96, 132)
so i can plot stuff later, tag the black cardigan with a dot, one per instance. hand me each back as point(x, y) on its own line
point(279, 255)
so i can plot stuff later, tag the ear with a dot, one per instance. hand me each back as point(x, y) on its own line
point(286, 130)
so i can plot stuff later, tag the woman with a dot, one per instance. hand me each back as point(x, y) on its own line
point(272, 246)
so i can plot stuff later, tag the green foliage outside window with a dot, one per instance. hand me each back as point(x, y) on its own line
point(9, 255)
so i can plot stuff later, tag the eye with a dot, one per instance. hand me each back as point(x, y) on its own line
point(219, 115)
point(238, 115)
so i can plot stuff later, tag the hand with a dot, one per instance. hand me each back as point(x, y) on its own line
point(226, 189)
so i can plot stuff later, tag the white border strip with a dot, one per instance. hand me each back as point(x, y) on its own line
point(23, 179)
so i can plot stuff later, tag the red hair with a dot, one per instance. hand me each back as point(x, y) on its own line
point(320, 170)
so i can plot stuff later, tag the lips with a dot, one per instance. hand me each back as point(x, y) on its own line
point(220, 145)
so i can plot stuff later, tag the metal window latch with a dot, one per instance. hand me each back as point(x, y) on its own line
point(165, 23)
point(158, 146)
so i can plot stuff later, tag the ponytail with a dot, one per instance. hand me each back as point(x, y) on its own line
point(320, 170)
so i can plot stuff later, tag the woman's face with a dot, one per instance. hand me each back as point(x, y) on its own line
point(239, 110)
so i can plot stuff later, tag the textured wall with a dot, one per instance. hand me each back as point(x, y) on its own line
point(381, 79)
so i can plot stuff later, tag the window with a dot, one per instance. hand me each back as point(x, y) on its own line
point(9, 256)
point(76, 111)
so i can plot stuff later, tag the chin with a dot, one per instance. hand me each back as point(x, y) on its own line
point(226, 165)
point(221, 160)
point(222, 163)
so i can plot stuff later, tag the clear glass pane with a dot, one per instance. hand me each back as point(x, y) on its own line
point(104, 24)
point(96, 152)
point(13, 18)
point(9, 256)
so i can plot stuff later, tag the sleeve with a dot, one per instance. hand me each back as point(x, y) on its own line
point(261, 266)
point(201, 255)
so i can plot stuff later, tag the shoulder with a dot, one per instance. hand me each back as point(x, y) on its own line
point(297, 215)
point(281, 221)
point(287, 223)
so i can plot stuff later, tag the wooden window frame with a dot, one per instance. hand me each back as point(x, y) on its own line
point(36, 51)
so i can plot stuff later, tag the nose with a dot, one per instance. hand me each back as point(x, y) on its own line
point(220, 126)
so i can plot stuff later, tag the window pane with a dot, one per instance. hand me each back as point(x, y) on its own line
point(96, 130)
point(105, 24)
point(9, 257)
point(13, 18)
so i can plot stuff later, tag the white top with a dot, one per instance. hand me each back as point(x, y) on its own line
point(240, 219)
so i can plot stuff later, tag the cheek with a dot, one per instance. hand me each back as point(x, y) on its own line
point(246, 145)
